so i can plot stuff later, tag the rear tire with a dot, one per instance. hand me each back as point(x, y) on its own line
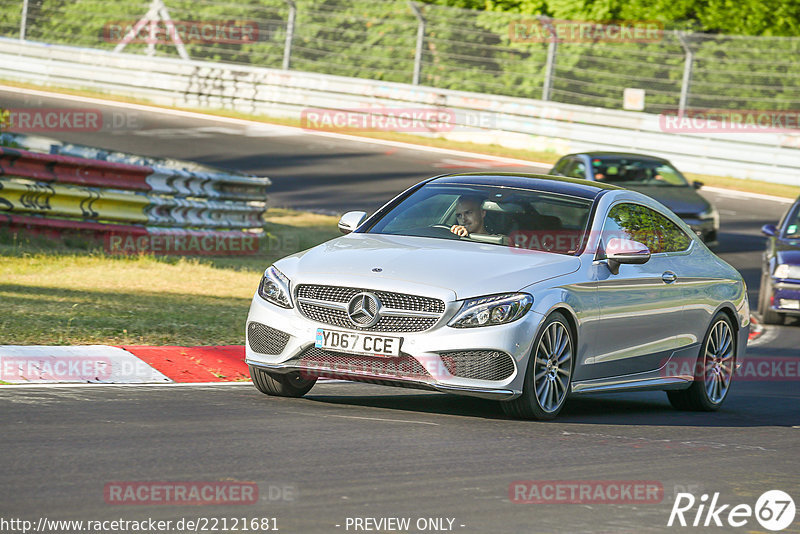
point(548, 376)
point(768, 316)
point(714, 370)
point(281, 385)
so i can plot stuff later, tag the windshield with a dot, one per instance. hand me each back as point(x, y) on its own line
point(626, 171)
point(519, 218)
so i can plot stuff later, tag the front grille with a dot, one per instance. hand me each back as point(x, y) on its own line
point(409, 306)
point(479, 364)
point(341, 364)
point(266, 340)
point(385, 324)
point(398, 301)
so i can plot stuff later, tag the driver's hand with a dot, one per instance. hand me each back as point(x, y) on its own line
point(459, 230)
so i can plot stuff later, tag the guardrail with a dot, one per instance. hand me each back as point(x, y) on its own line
point(508, 121)
point(163, 209)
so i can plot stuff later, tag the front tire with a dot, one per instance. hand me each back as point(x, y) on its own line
point(549, 373)
point(281, 385)
point(714, 371)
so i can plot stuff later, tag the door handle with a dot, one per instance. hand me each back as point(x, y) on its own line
point(669, 277)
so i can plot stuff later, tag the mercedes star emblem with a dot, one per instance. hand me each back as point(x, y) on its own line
point(364, 310)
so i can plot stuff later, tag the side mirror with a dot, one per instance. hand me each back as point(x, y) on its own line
point(697, 185)
point(625, 251)
point(769, 230)
point(351, 220)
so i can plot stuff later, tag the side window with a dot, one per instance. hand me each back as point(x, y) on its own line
point(670, 237)
point(630, 221)
point(638, 223)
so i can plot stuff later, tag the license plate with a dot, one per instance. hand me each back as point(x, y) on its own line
point(367, 344)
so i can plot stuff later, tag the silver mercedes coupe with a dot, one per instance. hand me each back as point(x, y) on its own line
point(521, 288)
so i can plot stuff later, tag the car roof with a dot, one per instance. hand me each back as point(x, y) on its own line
point(538, 182)
point(627, 155)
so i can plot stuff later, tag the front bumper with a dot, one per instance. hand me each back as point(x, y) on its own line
point(785, 297)
point(425, 362)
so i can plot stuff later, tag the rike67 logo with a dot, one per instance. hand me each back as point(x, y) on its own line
point(774, 510)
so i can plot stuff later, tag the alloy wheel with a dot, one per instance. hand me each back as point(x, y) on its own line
point(553, 366)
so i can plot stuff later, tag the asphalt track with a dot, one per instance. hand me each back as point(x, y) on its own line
point(353, 450)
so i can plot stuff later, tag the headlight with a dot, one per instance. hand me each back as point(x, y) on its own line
point(710, 213)
point(492, 310)
point(274, 288)
point(787, 271)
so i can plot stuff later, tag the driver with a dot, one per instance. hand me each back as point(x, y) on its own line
point(469, 216)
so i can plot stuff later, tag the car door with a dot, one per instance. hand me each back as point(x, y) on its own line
point(641, 307)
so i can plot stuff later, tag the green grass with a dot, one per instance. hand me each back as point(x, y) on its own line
point(73, 293)
point(543, 156)
point(748, 186)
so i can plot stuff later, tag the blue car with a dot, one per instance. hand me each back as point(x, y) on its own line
point(780, 272)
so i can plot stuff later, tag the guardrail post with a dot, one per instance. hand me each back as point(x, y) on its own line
point(420, 42)
point(23, 25)
point(687, 73)
point(552, 49)
point(287, 47)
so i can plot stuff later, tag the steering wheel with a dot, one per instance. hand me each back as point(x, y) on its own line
point(444, 230)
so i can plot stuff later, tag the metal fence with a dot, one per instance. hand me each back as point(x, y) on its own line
point(436, 46)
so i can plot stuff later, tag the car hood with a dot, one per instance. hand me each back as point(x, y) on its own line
point(461, 269)
point(683, 201)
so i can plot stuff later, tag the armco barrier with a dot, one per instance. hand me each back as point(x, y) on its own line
point(514, 122)
point(133, 208)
